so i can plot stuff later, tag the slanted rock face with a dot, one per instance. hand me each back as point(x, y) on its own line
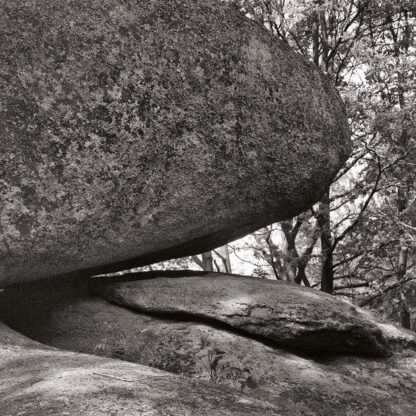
point(289, 315)
point(38, 380)
point(284, 381)
point(136, 131)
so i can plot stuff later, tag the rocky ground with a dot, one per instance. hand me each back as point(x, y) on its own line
point(138, 131)
point(208, 361)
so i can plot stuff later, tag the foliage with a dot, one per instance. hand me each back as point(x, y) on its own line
point(223, 369)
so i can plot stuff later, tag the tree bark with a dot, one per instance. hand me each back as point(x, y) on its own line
point(207, 262)
point(290, 254)
point(315, 38)
point(301, 275)
point(402, 189)
point(404, 312)
point(327, 261)
point(224, 254)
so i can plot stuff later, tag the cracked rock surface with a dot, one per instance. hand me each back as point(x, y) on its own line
point(136, 131)
point(289, 315)
point(284, 382)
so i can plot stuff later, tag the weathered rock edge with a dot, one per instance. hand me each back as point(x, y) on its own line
point(289, 315)
point(295, 385)
point(40, 380)
point(136, 131)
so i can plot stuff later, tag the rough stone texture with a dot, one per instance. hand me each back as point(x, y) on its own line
point(140, 130)
point(398, 338)
point(288, 383)
point(38, 381)
point(289, 315)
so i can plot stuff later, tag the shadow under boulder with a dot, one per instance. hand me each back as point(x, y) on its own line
point(285, 383)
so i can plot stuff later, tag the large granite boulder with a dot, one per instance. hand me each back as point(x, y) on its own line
point(137, 131)
point(289, 315)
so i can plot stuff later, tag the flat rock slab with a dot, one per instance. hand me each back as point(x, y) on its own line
point(293, 384)
point(37, 380)
point(136, 131)
point(290, 315)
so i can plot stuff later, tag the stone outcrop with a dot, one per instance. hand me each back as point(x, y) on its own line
point(39, 380)
point(137, 131)
point(290, 315)
point(398, 337)
point(272, 380)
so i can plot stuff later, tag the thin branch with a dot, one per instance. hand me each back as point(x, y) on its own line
point(384, 291)
point(198, 261)
point(363, 208)
point(406, 225)
point(350, 295)
point(352, 286)
point(347, 260)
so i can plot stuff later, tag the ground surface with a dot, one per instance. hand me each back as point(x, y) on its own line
point(208, 368)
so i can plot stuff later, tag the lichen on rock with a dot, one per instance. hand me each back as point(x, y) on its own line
point(137, 131)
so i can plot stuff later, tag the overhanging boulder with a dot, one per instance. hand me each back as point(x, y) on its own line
point(136, 131)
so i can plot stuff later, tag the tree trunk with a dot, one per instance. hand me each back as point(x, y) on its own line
point(327, 266)
point(315, 38)
point(324, 40)
point(301, 275)
point(401, 48)
point(404, 312)
point(320, 37)
point(207, 262)
point(290, 255)
point(225, 257)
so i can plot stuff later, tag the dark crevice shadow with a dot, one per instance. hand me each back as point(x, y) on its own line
point(154, 274)
point(195, 246)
